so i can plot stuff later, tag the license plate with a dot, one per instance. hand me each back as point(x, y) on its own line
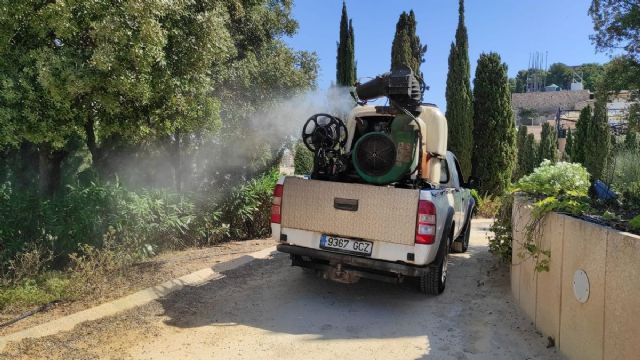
point(351, 246)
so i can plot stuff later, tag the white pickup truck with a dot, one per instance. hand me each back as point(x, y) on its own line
point(346, 230)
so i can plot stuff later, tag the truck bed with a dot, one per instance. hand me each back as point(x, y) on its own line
point(352, 210)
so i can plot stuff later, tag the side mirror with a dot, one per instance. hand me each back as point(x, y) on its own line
point(472, 183)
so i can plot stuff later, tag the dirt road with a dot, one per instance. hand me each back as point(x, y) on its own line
point(268, 310)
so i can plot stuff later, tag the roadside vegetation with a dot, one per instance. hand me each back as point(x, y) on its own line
point(146, 148)
point(599, 177)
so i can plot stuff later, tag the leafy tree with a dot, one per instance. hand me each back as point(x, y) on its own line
point(494, 127)
point(521, 81)
point(568, 148)
point(547, 149)
point(597, 140)
point(512, 85)
point(617, 26)
point(621, 73)
point(127, 77)
point(560, 74)
point(406, 48)
point(591, 74)
point(458, 94)
point(345, 65)
point(582, 129)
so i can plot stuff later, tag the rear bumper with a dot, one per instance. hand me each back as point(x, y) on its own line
point(370, 268)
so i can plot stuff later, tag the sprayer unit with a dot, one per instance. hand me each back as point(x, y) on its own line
point(403, 142)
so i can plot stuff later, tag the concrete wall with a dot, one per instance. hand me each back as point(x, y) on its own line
point(606, 326)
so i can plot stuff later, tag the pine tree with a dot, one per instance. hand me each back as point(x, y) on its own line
point(580, 143)
point(406, 48)
point(547, 149)
point(345, 64)
point(596, 150)
point(458, 94)
point(521, 140)
point(494, 134)
point(568, 147)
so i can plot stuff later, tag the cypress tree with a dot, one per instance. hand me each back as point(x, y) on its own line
point(352, 46)
point(596, 150)
point(633, 119)
point(580, 144)
point(458, 94)
point(547, 148)
point(568, 148)
point(406, 48)
point(521, 140)
point(494, 135)
point(530, 156)
point(345, 64)
point(631, 140)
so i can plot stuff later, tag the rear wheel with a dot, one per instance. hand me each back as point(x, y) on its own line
point(462, 242)
point(434, 281)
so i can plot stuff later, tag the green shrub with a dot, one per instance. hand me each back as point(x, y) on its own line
point(555, 179)
point(626, 178)
point(100, 230)
point(631, 196)
point(560, 187)
point(488, 206)
point(148, 220)
point(634, 224)
point(45, 288)
point(247, 209)
point(501, 242)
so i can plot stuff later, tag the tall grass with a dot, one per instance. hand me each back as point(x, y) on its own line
point(626, 177)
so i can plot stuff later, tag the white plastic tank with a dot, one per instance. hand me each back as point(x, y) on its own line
point(434, 142)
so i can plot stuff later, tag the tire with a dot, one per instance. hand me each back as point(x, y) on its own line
point(435, 280)
point(461, 245)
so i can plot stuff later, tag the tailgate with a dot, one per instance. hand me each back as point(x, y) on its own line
point(350, 210)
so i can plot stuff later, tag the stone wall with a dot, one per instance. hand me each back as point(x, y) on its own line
point(549, 102)
point(606, 325)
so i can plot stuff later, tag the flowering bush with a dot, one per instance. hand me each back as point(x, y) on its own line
point(556, 179)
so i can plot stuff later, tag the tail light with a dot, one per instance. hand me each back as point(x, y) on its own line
point(276, 204)
point(426, 224)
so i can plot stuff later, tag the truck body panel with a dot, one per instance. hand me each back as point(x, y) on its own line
point(350, 210)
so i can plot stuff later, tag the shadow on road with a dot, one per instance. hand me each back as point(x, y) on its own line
point(270, 295)
point(472, 316)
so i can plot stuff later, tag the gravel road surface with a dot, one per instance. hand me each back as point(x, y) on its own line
point(269, 310)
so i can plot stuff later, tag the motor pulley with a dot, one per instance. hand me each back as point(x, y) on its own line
point(324, 132)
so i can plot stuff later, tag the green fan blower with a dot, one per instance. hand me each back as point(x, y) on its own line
point(381, 158)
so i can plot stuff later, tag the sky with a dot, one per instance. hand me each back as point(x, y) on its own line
point(512, 28)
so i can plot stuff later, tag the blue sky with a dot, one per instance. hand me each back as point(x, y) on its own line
point(512, 28)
